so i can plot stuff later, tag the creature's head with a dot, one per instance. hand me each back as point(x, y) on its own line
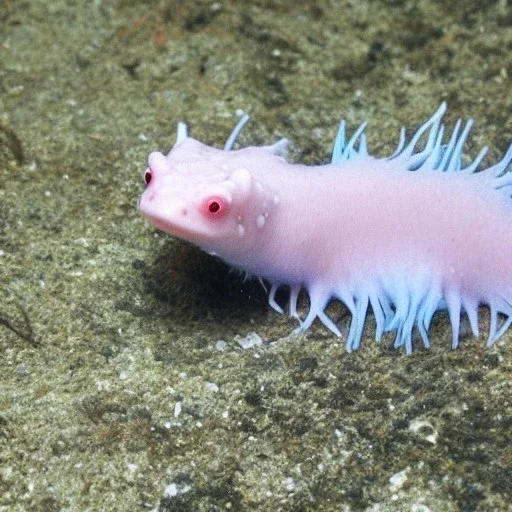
point(206, 196)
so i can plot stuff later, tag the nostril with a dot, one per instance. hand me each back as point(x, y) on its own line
point(148, 176)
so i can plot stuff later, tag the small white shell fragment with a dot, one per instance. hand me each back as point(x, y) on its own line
point(290, 484)
point(424, 429)
point(398, 479)
point(171, 491)
point(251, 340)
point(221, 345)
point(212, 387)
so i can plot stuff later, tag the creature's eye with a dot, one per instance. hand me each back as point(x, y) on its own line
point(148, 176)
point(215, 206)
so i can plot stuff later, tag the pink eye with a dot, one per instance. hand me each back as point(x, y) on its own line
point(148, 176)
point(214, 206)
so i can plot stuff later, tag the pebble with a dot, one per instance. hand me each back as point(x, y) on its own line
point(251, 340)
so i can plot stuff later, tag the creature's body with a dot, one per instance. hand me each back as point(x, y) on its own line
point(409, 234)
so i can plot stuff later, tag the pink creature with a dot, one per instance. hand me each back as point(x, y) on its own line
point(409, 234)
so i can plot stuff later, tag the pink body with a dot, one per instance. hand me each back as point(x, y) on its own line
point(364, 230)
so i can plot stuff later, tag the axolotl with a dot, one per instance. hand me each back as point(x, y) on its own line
point(409, 234)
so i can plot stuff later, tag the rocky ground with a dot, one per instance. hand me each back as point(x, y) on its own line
point(125, 380)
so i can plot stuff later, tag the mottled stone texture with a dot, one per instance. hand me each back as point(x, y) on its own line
point(114, 393)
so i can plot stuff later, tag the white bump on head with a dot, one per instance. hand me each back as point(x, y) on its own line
point(242, 176)
point(241, 230)
point(260, 221)
point(157, 162)
point(243, 181)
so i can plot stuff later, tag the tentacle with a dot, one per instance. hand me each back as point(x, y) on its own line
point(416, 161)
point(404, 335)
point(349, 151)
point(279, 148)
point(379, 314)
point(272, 298)
point(500, 331)
point(319, 299)
point(433, 124)
point(455, 161)
point(345, 296)
point(448, 149)
point(342, 151)
point(503, 306)
point(363, 147)
point(403, 308)
point(398, 307)
point(181, 133)
point(432, 161)
point(497, 170)
point(503, 172)
point(401, 143)
point(470, 306)
point(236, 131)
point(389, 313)
point(399, 296)
point(339, 143)
point(428, 307)
point(453, 303)
point(328, 323)
point(473, 166)
point(294, 295)
point(357, 324)
point(434, 156)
